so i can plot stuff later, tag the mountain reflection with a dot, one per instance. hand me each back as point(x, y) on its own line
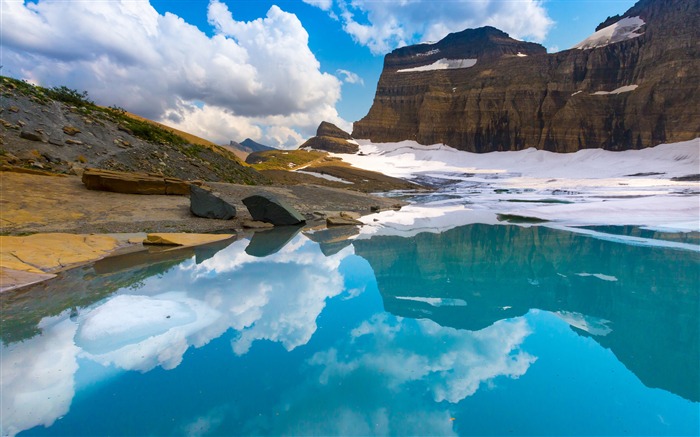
point(640, 302)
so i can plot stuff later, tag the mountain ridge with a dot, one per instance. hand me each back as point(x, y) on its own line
point(630, 94)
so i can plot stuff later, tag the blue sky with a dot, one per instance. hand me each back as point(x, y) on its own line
point(269, 70)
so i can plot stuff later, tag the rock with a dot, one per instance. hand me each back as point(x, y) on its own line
point(133, 183)
point(71, 130)
point(74, 142)
point(267, 208)
point(13, 109)
point(326, 129)
point(350, 215)
point(252, 224)
point(331, 138)
point(34, 136)
point(342, 221)
point(44, 253)
point(204, 203)
point(375, 208)
point(627, 95)
point(184, 239)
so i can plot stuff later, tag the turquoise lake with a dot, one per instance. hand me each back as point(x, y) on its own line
point(479, 330)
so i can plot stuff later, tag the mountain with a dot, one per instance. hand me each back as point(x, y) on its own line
point(634, 83)
point(59, 130)
point(250, 146)
point(331, 138)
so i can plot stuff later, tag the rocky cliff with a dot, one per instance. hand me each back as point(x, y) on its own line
point(635, 83)
point(331, 138)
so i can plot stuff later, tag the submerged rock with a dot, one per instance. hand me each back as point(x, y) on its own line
point(269, 209)
point(204, 203)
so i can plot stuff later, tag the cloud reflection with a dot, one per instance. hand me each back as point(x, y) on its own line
point(154, 325)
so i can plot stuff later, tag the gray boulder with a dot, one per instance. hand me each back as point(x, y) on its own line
point(267, 208)
point(204, 203)
point(34, 136)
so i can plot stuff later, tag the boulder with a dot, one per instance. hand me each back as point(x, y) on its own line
point(70, 130)
point(204, 203)
point(133, 183)
point(34, 136)
point(267, 208)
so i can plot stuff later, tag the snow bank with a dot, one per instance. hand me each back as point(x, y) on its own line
point(325, 176)
point(589, 187)
point(625, 29)
point(442, 64)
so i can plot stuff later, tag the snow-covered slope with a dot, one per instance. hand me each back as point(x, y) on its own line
point(589, 187)
point(442, 64)
point(624, 29)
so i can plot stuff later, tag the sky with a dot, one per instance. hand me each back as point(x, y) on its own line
point(266, 70)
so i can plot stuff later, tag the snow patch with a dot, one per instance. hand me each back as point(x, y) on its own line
point(625, 29)
point(600, 276)
point(428, 53)
point(623, 89)
point(577, 92)
point(442, 64)
point(325, 176)
point(436, 301)
point(521, 55)
point(590, 324)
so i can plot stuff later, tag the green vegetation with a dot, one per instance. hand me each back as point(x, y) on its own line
point(283, 159)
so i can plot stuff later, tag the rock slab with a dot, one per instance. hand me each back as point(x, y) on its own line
point(184, 239)
point(204, 203)
point(133, 183)
point(269, 209)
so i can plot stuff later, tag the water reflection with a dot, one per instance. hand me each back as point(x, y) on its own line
point(457, 324)
point(160, 312)
point(640, 302)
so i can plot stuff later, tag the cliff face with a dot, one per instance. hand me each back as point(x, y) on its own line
point(481, 91)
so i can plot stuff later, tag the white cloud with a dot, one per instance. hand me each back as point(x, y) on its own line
point(385, 25)
point(321, 4)
point(350, 77)
point(253, 78)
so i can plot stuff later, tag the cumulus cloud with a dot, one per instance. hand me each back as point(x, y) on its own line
point(385, 25)
point(350, 77)
point(251, 79)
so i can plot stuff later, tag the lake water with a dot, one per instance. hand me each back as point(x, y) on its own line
point(479, 330)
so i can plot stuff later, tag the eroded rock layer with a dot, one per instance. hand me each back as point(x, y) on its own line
point(481, 91)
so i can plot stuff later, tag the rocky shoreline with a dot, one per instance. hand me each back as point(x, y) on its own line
point(61, 216)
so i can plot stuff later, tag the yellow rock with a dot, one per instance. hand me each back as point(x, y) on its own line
point(41, 253)
point(184, 239)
